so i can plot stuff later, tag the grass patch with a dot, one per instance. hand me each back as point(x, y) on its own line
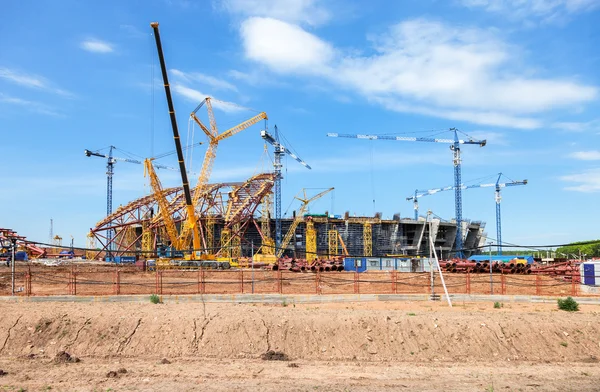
point(411, 314)
point(155, 299)
point(498, 305)
point(568, 304)
point(564, 344)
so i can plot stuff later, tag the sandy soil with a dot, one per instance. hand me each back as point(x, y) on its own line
point(350, 346)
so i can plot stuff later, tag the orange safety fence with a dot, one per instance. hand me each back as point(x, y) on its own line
point(40, 281)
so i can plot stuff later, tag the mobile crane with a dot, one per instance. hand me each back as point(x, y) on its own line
point(194, 257)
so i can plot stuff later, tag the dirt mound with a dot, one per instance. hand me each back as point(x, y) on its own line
point(407, 332)
point(274, 356)
point(65, 357)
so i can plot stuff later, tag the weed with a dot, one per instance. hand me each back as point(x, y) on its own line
point(284, 303)
point(498, 305)
point(155, 299)
point(564, 344)
point(568, 304)
point(585, 374)
point(411, 314)
point(412, 353)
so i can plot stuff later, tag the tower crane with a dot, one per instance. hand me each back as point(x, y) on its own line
point(455, 147)
point(497, 197)
point(279, 151)
point(299, 217)
point(110, 163)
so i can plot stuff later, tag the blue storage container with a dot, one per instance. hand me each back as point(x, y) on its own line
point(590, 273)
point(356, 264)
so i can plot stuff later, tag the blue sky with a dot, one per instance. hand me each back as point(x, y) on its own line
point(78, 75)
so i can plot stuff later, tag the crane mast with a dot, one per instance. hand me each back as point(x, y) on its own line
point(456, 159)
point(278, 151)
point(497, 197)
point(191, 215)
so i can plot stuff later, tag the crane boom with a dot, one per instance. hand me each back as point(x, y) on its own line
point(191, 215)
point(163, 204)
point(211, 152)
point(497, 197)
point(298, 219)
point(456, 160)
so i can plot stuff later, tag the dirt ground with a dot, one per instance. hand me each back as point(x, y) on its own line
point(333, 347)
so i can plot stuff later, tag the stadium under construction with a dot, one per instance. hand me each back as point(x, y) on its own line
point(235, 220)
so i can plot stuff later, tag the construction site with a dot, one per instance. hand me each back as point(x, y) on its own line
point(207, 285)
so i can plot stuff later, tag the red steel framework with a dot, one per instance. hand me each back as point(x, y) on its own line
point(230, 204)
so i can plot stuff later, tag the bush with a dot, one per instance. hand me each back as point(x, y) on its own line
point(155, 299)
point(497, 305)
point(568, 304)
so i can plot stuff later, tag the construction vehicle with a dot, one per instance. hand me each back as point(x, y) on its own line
point(194, 257)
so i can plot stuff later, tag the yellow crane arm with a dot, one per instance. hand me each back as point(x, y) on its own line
point(290, 233)
point(163, 204)
point(240, 127)
point(201, 125)
point(342, 243)
point(297, 220)
point(211, 117)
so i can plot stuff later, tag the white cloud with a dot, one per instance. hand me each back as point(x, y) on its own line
point(295, 11)
point(196, 97)
point(32, 106)
point(32, 81)
point(423, 67)
point(132, 31)
point(96, 46)
point(284, 47)
point(589, 181)
point(593, 125)
point(547, 11)
point(586, 155)
point(211, 81)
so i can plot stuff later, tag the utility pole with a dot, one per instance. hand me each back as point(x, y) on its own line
point(252, 263)
point(431, 276)
point(491, 275)
point(14, 246)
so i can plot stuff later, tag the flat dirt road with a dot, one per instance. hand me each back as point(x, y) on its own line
point(421, 346)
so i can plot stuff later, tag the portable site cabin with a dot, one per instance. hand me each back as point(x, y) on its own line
point(590, 273)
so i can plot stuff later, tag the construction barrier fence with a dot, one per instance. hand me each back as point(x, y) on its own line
point(121, 281)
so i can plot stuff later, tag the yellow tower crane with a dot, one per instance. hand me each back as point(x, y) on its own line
point(311, 240)
point(299, 217)
point(211, 153)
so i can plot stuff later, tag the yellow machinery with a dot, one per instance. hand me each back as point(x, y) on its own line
point(367, 239)
point(299, 217)
point(211, 153)
point(311, 240)
point(163, 204)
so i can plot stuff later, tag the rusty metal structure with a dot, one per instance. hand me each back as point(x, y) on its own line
point(226, 212)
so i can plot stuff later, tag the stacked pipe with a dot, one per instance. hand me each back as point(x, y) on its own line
point(463, 266)
point(301, 265)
